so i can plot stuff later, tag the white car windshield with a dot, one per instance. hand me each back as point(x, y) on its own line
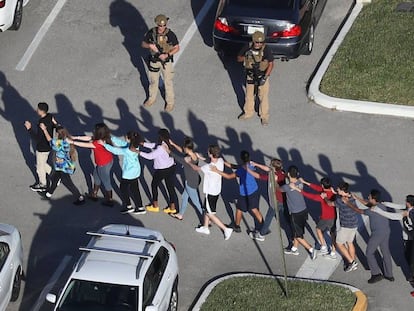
point(92, 296)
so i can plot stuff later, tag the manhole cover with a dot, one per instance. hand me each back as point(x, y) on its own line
point(405, 7)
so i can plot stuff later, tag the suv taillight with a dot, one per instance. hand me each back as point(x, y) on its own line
point(221, 25)
point(2, 3)
point(292, 31)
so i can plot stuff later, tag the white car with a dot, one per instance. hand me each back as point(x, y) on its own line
point(11, 13)
point(123, 268)
point(11, 264)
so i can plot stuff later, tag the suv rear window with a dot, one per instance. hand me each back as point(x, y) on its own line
point(85, 296)
point(261, 4)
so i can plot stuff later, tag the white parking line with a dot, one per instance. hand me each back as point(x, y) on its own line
point(51, 282)
point(193, 28)
point(39, 36)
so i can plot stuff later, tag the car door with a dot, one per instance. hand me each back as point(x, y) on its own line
point(6, 274)
point(156, 286)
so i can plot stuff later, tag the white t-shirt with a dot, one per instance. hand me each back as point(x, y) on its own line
point(212, 180)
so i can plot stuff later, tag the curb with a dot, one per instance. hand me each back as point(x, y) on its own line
point(341, 104)
point(361, 303)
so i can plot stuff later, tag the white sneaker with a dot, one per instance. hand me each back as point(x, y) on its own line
point(290, 251)
point(323, 250)
point(227, 233)
point(255, 235)
point(203, 230)
point(330, 256)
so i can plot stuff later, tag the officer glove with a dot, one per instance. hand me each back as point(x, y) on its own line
point(262, 81)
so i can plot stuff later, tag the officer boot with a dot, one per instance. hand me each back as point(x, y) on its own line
point(108, 199)
point(169, 107)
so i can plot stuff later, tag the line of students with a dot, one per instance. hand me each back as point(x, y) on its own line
point(289, 191)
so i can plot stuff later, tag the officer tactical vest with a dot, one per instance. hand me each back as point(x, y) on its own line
point(161, 40)
point(253, 60)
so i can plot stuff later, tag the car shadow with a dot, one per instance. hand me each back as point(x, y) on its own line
point(55, 240)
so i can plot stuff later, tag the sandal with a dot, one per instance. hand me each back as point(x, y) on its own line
point(177, 216)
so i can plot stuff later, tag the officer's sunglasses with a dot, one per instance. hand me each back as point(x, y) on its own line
point(162, 25)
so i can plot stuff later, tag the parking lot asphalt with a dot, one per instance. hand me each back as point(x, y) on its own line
point(88, 67)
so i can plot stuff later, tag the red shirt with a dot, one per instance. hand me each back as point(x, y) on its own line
point(101, 155)
point(327, 211)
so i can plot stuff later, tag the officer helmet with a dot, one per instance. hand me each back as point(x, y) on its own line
point(258, 36)
point(161, 20)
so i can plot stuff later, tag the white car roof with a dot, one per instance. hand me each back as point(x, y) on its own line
point(118, 254)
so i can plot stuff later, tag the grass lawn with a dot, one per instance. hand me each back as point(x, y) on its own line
point(264, 294)
point(375, 62)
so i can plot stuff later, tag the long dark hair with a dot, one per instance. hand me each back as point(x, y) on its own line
point(102, 132)
point(134, 138)
point(164, 137)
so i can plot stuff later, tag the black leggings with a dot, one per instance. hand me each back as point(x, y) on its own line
point(167, 174)
point(66, 180)
point(130, 188)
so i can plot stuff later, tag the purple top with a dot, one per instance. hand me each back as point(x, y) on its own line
point(160, 155)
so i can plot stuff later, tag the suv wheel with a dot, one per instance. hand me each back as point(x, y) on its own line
point(174, 298)
point(18, 15)
point(309, 42)
point(17, 281)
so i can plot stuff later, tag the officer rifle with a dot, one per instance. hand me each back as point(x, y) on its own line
point(156, 57)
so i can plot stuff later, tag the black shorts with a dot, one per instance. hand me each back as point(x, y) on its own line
point(210, 204)
point(248, 202)
point(298, 223)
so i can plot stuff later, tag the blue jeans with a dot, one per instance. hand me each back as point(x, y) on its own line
point(102, 175)
point(190, 193)
point(284, 220)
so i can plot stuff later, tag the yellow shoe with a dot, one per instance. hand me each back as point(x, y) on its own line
point(169, 210)
point(151, 208)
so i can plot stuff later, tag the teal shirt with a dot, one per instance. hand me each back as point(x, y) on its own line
point(131, 168)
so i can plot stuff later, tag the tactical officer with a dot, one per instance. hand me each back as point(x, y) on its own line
point(162, 44)
point(257, 59)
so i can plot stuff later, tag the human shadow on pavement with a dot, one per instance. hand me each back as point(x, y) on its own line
point(62, 230)
point(237, 76)
point(132, 26)
point(16, 110)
